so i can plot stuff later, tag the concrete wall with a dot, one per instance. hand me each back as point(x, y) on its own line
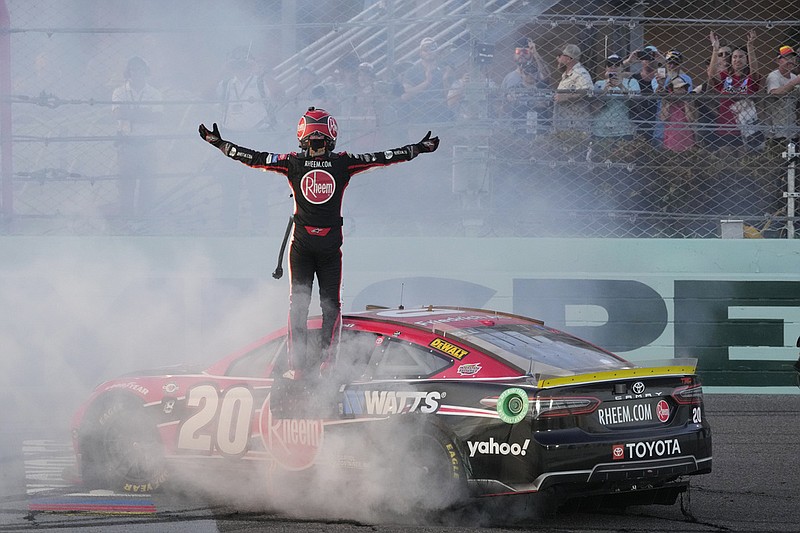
point(91, 307)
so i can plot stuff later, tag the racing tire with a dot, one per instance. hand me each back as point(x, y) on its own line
point(431, 475)
point(121, 449)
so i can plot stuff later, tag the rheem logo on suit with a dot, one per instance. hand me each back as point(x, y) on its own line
point(317, 186)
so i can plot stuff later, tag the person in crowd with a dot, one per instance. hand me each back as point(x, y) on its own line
point(737, 115)
point(301, 92)
point(526, 104)
point(783, 86)
point(525, 53)
point(723, 58)
point(643, 110)
point(135, 105)
point(662, 84)
point(678, 115)
point(318, 177)
point(484, 91)
point(249, 98)
point(425, 85)
point(706, 105)
point(370, 107)
point(571, 111)
point(613, 98)
point(345, 86)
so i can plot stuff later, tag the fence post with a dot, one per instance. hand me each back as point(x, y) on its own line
point(790, 155)
point(6, 168)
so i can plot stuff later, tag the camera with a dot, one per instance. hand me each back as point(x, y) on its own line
point(612, 75)
point(483, 53)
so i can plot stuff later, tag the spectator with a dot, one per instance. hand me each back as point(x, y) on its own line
point(706, 107)
point(371, 105)
point(678, 114)
point(723, 58)
point(482, 91)
point(249, 95)
point(643, 110)
point(425, 85)
point(612, 118)
point(345, 88)
point(249, 99)
point(134, 105)
point(301, 93)
point(662, 82)
point(525, 53)
point(526, 104)
point(737, 114)
point(783, 86)
point(571, 110)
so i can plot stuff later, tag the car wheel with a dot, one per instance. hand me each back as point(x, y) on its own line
point(432, 473)
point(121, 449)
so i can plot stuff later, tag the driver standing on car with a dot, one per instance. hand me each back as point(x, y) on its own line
point(318, 177)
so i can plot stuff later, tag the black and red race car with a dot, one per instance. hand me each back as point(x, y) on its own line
point(482, 403)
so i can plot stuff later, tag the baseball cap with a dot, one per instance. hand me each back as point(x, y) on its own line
point(650, 48)
point(429, 43)
point(785, 51)
point(572, 50)
point(613, 60)
point(674, 55)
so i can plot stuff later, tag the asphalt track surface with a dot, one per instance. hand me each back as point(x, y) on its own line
point(755, 487)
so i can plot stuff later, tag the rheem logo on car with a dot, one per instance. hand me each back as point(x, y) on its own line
point(294, 443)
point(662, 411)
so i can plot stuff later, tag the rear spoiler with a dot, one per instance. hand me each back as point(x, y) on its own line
point(681, 367)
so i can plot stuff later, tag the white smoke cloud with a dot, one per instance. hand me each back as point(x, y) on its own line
point(83, 311)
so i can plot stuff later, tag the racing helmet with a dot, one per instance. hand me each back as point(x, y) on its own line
point(317, 121)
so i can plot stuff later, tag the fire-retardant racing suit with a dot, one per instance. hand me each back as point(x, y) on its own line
point(318, 185)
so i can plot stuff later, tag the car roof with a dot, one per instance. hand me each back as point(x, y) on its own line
point(440, 319)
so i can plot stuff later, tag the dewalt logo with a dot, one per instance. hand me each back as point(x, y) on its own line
point(449, 349)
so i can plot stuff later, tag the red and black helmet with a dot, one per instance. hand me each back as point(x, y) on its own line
point(317, 121)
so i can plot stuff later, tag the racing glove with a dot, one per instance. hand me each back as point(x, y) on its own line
point(428, 144)
point(212, 137)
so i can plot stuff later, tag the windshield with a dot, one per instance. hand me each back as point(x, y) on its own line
point(541, 349)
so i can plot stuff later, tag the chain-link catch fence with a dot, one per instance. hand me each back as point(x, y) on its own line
point(595, 118)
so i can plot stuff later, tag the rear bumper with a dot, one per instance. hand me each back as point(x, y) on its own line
point(610, 474)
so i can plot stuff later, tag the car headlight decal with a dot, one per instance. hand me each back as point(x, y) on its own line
point(692, 394)
point(544, 407)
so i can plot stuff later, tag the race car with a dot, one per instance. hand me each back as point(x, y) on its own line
point(472, 403)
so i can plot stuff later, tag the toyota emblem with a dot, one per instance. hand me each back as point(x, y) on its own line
point(638, 387)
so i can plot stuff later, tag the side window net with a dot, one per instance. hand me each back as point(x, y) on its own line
point(403, 360)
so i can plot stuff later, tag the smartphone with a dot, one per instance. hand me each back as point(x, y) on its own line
point(612, 75)
point(661, 72)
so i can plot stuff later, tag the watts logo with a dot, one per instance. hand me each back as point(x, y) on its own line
point(450, 349)
point(390, 402)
